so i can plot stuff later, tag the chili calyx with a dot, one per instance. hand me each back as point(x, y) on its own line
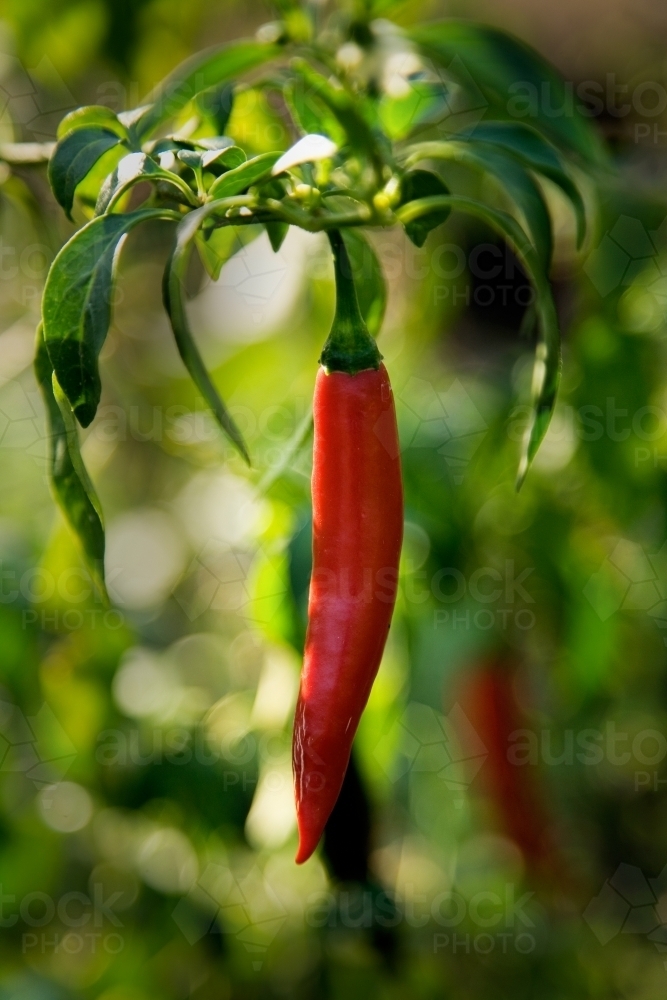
point(349, 347)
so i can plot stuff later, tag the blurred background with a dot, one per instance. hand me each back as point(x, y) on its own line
point(503, 824)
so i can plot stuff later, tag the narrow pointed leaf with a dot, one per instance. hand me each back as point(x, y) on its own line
point(73, 490)
point(241, 178)
point(212, 68)
point(74, 157)
point(517, 182)
point(546, 372)
point(76, 307)
point(174, 302)
point(507, 72)
point(535, 152)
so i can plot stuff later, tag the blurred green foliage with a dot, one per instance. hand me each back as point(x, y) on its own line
point(146, 825)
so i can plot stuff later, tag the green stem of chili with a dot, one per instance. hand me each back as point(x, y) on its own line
point(349, 347)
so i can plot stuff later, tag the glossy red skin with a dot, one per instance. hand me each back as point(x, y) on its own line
point(357, 533)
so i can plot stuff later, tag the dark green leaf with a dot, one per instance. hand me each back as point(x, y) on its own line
point(212, 68)
point(174, 301)
point(422, 184)
point(546, 373)
point(368, 279)
point(518, 183)
point(238, 180)
point(74, 158)
point(76, 307)
point(132, 169)
point(538, 154)
point(91, 116)
point(277, 231)
point(74, 492)
point(217, 103)
point(514, 79)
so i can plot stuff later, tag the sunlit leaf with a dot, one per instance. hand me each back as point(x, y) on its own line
point(309, 149)
point(309, 113)
point(200, 73)
point(241, 178)
point(91, 116)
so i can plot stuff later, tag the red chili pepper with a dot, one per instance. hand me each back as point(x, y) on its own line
point(490, 704)
point(357, 533)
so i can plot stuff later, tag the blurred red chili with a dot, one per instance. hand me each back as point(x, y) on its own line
point(489, 702)
point(357, 533)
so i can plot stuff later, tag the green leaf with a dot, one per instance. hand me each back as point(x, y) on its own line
point(132, 169)
point(368, 279)
point(76, 307)
point(535, 152)
point(91, 116)
point(513, 78)
point(277, 231)
point(216, 104)
point(511, 174)
point(546, 372)
point(212, 68)
point(299, 439)
point(219, 245)
point(345, 107)
point(174, 302)
point(309, 113)
point(240, 179)
point(422, 184)
point(400, 115)
point(230, 157)
point(74, 157)
point(73, 490)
